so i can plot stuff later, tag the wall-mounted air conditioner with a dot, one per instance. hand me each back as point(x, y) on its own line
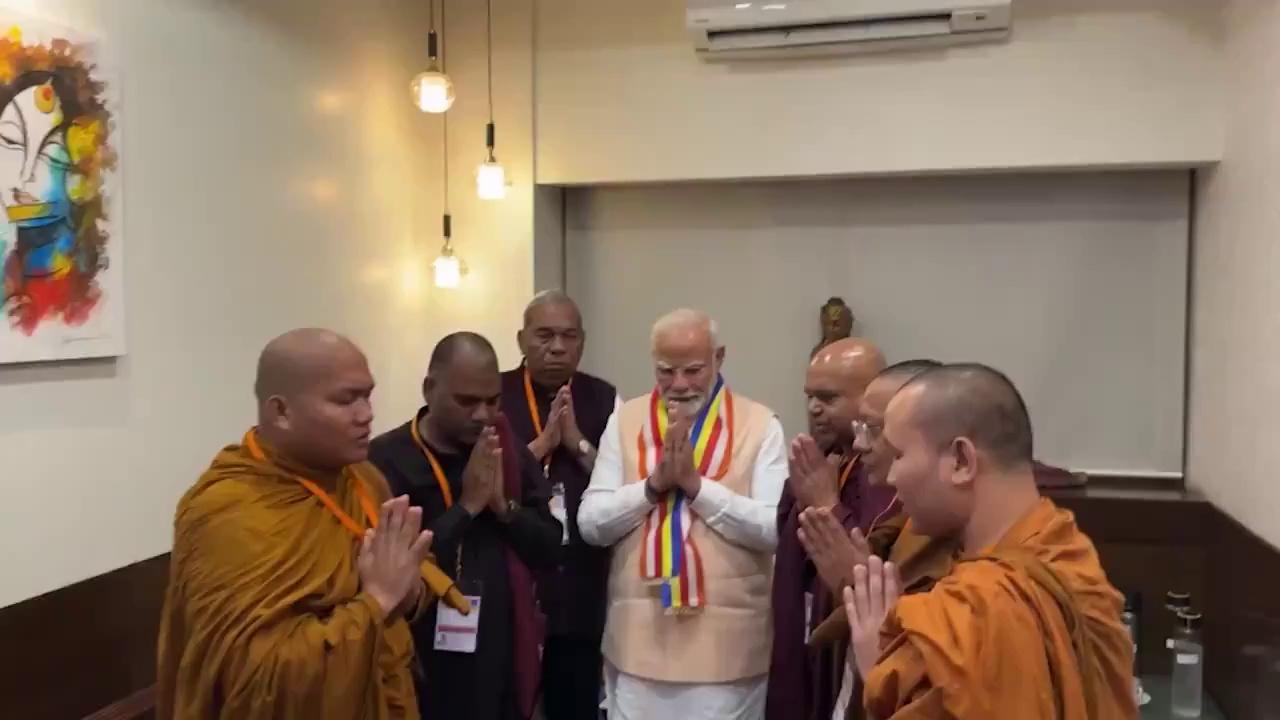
point(733, 26)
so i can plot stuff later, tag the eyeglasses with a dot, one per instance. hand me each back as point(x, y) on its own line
point(864, 432)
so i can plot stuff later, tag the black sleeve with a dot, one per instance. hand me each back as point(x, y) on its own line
point(448, 529)
point(532, 531)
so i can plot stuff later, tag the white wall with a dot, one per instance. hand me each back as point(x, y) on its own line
point(1073, 284)
point(1235, 383)
point(275, 175)
point(1084, 83)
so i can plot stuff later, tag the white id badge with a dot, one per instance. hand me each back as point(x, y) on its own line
point(456, 632)
point(808, 614)
point(559, 511)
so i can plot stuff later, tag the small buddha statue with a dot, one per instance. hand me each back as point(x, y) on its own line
point(836, 322)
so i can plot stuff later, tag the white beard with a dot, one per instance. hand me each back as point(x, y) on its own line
point(687, 408)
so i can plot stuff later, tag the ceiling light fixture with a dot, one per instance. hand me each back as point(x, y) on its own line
point(432, 89)
point(491, 177)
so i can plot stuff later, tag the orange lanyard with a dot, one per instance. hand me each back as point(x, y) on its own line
point(442, 481)
point(438, 471)
point(534, 415)
point(848, 468)
point(251, 442)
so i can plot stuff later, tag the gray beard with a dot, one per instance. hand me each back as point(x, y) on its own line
point(686, 408)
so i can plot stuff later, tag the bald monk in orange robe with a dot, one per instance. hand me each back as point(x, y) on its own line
point(834, 551)
point(292, 572)
point(1026, 624)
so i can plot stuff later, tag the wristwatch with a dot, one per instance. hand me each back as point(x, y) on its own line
point(584, 447)
point(511, 509)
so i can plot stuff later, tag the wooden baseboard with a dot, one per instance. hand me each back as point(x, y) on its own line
point(141, 704)
point(1242, 620)
point(86, 649)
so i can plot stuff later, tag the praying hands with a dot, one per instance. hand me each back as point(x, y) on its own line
point(876, 587)
point(813, 479)
point(675, 469)
point(832, 551)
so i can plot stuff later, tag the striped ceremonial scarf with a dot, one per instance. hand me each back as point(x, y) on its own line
point(669, 556)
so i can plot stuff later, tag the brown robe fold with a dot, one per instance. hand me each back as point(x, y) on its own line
point(264, 616)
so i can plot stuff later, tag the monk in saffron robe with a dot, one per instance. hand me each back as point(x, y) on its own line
point(292, 571)
point(1026, 624)
point(833, 548)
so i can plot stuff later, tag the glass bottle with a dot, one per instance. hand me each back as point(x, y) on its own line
point(1132, 616)
point(1187, 687)
point(1175, 601)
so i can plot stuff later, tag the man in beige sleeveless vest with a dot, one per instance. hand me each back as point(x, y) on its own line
point(685, 490)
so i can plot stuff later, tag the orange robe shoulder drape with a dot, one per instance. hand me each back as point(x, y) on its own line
point(1019, 631)
point(264, 617)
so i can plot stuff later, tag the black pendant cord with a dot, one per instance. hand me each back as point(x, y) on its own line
point(444, 4)
point(490, 133)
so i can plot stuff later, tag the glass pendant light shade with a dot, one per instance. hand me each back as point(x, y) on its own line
point(432, 91)
point(447, 269)
point(491, 180)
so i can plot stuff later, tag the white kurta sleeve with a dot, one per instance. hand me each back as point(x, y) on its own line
point(611, 508)
point(749, 521)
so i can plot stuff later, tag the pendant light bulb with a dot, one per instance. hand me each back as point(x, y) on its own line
point(448, 268)
point(491, 177)
point(432, 89)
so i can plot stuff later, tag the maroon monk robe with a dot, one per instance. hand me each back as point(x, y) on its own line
point(528, 623)
point(802, 684)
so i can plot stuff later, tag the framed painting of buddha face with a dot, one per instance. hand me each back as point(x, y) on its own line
point(60, 243)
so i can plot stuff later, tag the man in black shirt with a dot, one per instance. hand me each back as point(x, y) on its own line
point(561, 413)
point(485, 498)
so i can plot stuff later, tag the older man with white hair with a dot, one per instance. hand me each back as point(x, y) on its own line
point(685, 490)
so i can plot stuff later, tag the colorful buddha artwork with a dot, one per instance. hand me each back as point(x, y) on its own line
point(57, 165)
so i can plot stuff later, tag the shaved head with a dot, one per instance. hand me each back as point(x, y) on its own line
point(890, 380)
point(314, 388)
point(465, 347)
point(977, 402)
point(462, 389)
point(875, 400)
point(859, 358)
point(834, 384)
point(291, 360)
point(962, 442)
point(908, 369)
